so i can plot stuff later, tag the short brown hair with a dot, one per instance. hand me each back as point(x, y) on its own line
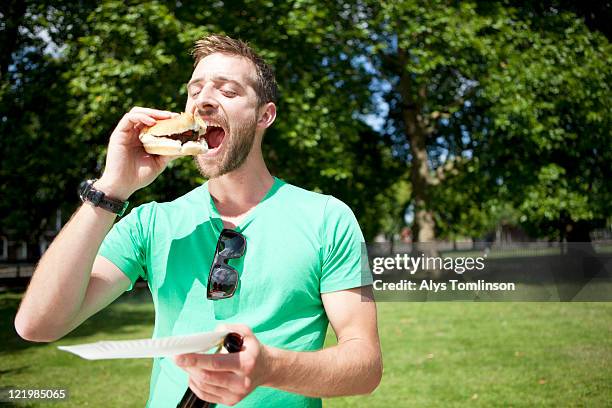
point(265, 83)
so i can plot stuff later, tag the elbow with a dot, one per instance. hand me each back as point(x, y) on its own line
point(30, 331)
point(374, 377)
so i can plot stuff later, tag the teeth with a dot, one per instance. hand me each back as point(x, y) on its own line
point(203, 124)
point(213, 124)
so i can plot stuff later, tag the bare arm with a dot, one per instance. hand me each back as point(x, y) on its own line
point(353, 366)
point(64, 291)
point(70, 283)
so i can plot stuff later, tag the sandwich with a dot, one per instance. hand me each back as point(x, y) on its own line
point(182, 135)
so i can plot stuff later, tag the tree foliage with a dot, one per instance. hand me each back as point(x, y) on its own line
point(115, 55)
point(39, 170)
point(489, 110)
point(496, 104)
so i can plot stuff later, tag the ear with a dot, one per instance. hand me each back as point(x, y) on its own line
point(267, 115)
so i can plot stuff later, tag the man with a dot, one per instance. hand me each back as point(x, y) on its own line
point(301, 268)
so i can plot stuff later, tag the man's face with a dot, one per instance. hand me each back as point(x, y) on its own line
point(221, 90)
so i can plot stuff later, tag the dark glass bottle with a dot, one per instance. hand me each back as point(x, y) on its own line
point(233, 344)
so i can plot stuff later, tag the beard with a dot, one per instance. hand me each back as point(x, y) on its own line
point(237, 148)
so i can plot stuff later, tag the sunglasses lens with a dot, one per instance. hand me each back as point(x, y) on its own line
point(222, 282)
point(223, 279)
point(232, 245)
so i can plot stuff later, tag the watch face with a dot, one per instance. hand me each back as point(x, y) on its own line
point(84, 188)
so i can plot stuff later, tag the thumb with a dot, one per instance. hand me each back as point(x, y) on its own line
point(249, 340)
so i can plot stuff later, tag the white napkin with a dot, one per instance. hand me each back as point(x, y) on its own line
point(146, 348)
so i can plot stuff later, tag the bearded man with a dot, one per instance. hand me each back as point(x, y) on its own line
point(286, 262)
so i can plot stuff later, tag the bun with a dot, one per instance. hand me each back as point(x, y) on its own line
point(178, 136)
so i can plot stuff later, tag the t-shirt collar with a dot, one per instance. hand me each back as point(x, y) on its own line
point(216, 217)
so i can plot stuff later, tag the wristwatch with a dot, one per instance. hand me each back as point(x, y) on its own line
point(97, 198)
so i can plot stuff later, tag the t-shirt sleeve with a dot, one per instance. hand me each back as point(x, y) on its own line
point(345, 258)
point(126, 244)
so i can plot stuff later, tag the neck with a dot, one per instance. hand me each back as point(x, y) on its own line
point(239, 191)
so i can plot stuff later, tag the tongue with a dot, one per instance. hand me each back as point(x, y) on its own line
point(214, 138)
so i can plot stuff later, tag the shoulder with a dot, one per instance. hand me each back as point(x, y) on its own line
point(183, 208)
point(330, 210)
point(194, 198)
point(301, 195)
point(337, 208)
point(307, 197)
point(140, 214)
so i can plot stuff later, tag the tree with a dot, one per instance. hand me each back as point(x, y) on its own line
point(493, 96)
point(550, 109)
point(485, 104)
point(34, 179)
point(126, 54)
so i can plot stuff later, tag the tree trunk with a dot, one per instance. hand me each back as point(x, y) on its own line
point(420, 175)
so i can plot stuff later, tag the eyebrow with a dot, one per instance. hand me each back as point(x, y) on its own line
point(215, 78)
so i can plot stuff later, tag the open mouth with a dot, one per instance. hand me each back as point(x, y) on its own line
point(214, 136)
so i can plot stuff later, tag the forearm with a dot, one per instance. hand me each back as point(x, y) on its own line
point(58, 286)
point(62, 292)
point(349, 368)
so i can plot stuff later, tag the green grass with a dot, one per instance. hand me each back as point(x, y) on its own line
point(105, 383)
point(493, 354)
point(435, 355)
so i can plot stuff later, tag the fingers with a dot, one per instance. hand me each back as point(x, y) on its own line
point(250, 342)
point(204, 393)
point(154, 113)
point(215, 388)
point(213, 362)
point(139, 117)
point(138, 127)
point(222, 379)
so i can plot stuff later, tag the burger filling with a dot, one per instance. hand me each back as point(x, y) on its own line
point(184, 137)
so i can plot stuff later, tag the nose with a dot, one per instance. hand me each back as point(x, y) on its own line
point(206, 102)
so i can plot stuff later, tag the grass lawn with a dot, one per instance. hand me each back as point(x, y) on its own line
point(435, 355)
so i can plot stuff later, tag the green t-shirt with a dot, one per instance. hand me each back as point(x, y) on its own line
point(299, 244)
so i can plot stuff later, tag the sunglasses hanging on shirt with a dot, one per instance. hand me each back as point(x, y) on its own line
point(222, 278)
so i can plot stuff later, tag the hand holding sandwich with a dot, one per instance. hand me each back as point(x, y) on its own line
point(128, 166)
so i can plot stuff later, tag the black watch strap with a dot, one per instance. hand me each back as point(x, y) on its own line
point(97, 198)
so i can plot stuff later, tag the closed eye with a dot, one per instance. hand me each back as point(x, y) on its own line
point(193, 90)
point(228, 93)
